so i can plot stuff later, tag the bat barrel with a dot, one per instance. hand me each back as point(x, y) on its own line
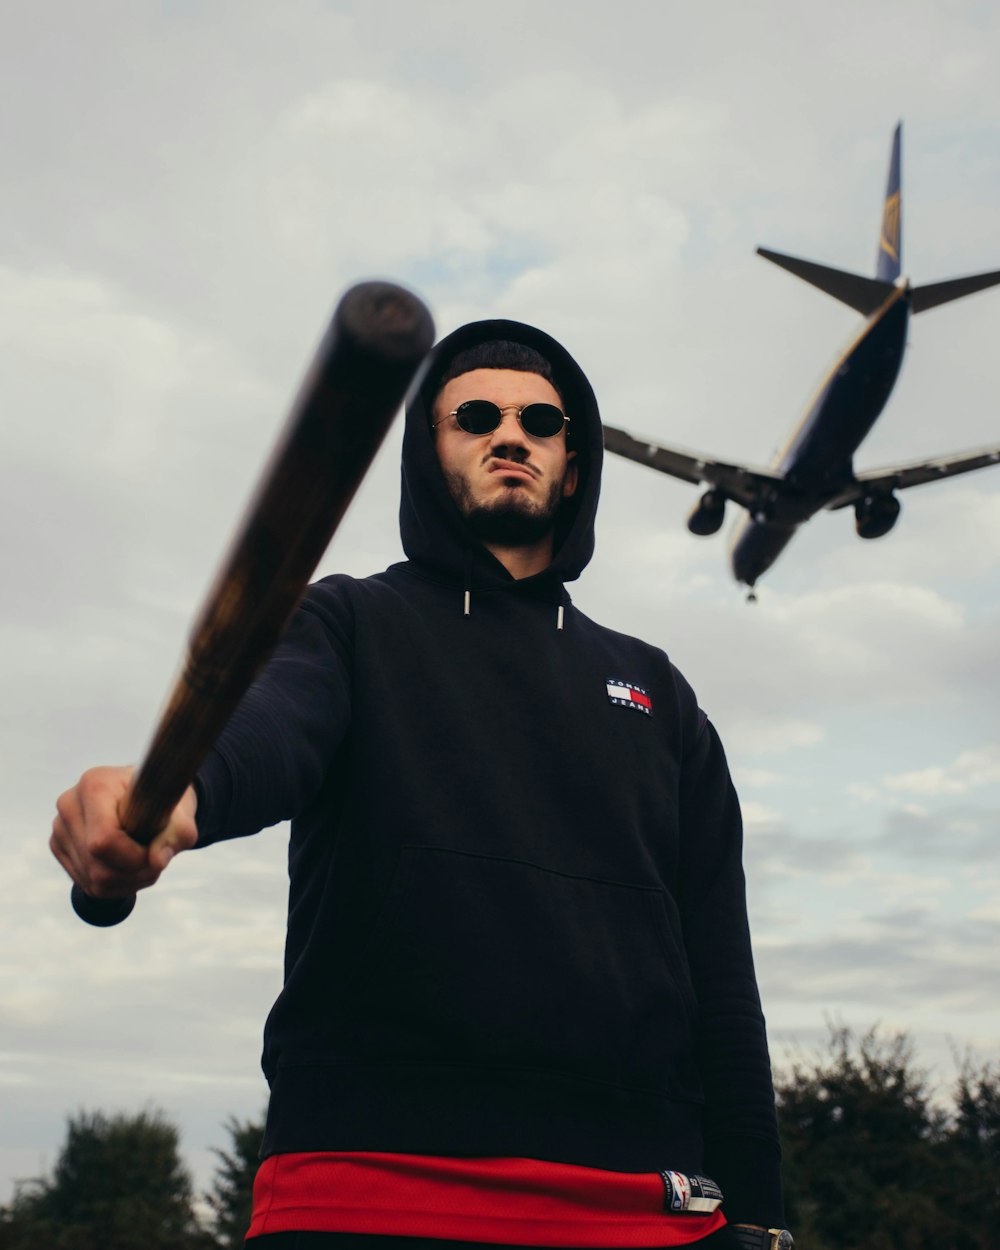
point(377, 339)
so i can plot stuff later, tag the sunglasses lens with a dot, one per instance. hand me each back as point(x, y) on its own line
point(478, 416)
point(542, 420)
point(482, 416)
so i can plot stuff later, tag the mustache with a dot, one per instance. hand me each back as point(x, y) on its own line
point(518, 458)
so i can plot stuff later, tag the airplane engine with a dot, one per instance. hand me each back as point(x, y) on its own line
point(875, 515)
point(707, 515)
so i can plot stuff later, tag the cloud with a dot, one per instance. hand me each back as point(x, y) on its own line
point(886, 964)
point(757, 814)
point(757, 778)
point(775, 853)
point(968, 771)
point(951, 833)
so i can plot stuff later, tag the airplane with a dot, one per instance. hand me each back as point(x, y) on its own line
point(815, 469)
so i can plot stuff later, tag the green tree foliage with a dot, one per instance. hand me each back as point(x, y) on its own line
point(118, 1184)
point(231, 1195)
point(872, 1164)
point(975, 1141)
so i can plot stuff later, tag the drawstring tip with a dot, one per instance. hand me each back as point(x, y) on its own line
point(468, 603)
point(559, 617)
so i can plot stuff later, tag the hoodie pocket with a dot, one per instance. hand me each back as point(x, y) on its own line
point(493, 962)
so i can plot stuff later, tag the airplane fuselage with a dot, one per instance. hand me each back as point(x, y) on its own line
point(818, 460)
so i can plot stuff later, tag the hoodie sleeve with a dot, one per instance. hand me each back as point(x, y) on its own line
point(742, 1151)
point(270, 760)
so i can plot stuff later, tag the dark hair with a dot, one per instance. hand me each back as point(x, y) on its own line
point(498, 354)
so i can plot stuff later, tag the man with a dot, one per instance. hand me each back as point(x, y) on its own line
point(519, 1003)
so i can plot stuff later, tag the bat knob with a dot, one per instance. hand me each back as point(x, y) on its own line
point(101, 912)
point(386, 320)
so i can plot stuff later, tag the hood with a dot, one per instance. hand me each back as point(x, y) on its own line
point(434, 533)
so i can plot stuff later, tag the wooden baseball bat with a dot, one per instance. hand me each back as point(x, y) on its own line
point(377, 339)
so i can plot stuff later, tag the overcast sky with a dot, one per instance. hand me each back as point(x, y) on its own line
point(188, 188)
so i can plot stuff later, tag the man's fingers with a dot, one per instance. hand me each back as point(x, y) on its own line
point(93, 876)
point(90, 843)
point(60, 846)
point(96, 875)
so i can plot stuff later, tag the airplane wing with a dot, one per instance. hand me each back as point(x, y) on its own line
point(881, 481)
point(744, 485)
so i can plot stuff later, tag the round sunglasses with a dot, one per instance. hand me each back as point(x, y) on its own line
point(482, 416)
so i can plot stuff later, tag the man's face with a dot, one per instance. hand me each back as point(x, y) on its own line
point(507, 484)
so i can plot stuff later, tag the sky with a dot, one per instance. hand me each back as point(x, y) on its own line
point(189, 187)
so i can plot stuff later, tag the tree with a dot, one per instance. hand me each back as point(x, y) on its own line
point(871, 1163)
point(231, 1195)
point(118, 1184)
point(974, 1137)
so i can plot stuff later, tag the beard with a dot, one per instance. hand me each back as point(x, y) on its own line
point(514, 520)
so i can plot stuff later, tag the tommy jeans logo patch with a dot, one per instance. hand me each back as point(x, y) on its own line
point(624, 694)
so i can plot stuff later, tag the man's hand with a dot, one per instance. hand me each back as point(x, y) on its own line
point(89, 842)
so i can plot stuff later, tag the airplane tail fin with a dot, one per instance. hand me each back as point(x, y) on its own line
point(890, 238)
point(867, 294)
point(860, 293)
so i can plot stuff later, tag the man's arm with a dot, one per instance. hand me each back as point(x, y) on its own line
point(273, 755)
point(266, 765)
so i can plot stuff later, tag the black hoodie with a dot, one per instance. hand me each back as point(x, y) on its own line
point(516, 921)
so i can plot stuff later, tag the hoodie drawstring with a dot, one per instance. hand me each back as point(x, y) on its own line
point(467, 599)
point(467, 595)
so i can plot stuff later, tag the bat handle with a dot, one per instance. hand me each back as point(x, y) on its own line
point(101, 912)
